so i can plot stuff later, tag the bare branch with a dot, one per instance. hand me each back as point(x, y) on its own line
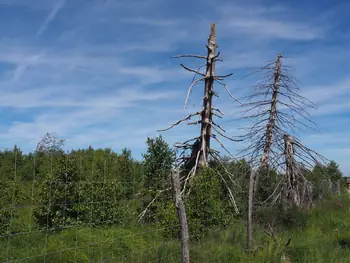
point(192, 70)
point(190, 56)
point(143, 213)
point(223, 84)
point(190, 88)
point(184, 119)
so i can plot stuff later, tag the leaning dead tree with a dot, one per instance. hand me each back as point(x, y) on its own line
point(200, 146)
point(276, 108)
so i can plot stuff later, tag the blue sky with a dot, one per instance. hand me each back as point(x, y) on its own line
point(100, 72)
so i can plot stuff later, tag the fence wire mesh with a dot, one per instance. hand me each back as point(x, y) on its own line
point(85, 206)
point(78, 207)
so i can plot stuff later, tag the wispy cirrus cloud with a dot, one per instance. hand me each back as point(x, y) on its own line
point(261, 22)
point(57, 7)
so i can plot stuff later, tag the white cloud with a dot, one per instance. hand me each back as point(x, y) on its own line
point(325, 93)
point(23, 65)
point(266, 23)
point(71, 122)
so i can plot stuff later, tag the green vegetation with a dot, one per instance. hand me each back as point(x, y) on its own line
point(84, 206)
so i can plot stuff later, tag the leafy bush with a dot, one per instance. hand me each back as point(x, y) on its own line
point(157, 164)
point(11, 197)
point(207, 206)
point(68, 198)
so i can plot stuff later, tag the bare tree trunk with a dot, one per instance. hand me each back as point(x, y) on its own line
point(273, 115)
point(291, 170)
point(250, 209)
point(206, 116)
point(272, 120)
point(181, 213)
point(200, 146)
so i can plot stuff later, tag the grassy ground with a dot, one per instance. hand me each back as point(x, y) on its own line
point(323, 237)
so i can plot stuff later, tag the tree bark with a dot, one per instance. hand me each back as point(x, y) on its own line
point(273, 114)
point(291, 170)
point(181, 213)
point(206, 116)
point(272, 120)
point(250, 209)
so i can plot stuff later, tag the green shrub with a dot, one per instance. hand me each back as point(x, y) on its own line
point(67, 197)
point(11, 198)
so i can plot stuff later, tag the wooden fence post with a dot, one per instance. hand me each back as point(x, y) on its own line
point(250, 209)
point(330, 187)
point(303, 191)
point(338, 186)
point(320, 194)
point(310, 195)
point(181, 213)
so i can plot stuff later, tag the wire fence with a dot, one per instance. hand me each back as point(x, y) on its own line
point(79, 207)
point(85, 206)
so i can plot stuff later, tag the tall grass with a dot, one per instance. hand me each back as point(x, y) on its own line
point(324, 238)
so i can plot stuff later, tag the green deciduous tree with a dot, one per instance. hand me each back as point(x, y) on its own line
point(157, 163)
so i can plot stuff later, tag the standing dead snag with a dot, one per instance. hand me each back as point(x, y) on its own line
point(200, 146)
point(206, 116)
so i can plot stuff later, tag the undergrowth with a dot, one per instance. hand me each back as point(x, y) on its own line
point(322, 237)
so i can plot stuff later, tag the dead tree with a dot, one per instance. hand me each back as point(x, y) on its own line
point(273, 113)
point(276, 107)
point(49, 143)
point(200, 146)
